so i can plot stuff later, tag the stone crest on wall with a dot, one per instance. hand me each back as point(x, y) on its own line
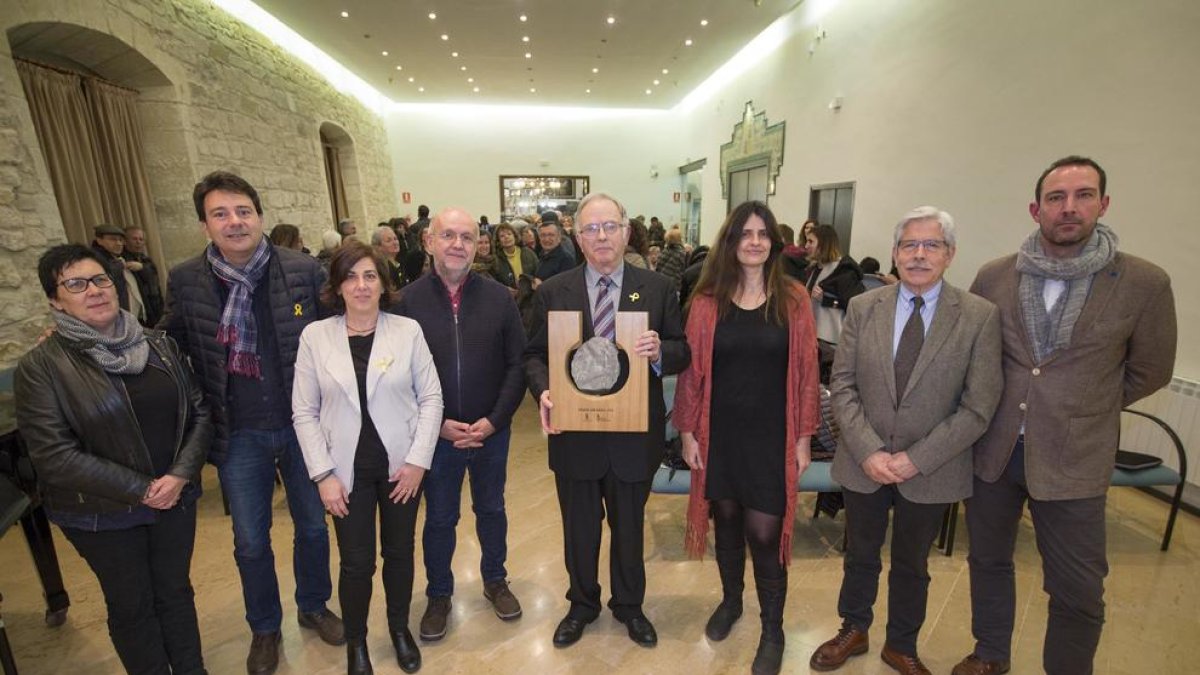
point(754, 142)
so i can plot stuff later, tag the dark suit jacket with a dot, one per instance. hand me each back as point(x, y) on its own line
point(588, 455)
point(1122, 349)
point(950, 397)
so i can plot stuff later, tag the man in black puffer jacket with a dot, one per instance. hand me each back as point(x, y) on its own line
point(237, 311)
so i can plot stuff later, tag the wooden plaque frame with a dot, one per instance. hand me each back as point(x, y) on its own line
point(624, 410)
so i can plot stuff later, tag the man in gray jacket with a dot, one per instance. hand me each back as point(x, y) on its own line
point(915, 382)
point(1087, 331)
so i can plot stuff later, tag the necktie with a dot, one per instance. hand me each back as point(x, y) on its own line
point(604, 315)
point(909, 349)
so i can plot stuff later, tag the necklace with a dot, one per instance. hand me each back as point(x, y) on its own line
point(368, 329)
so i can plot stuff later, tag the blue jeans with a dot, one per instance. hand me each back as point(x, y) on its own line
point(443, 497)
point(248, 479)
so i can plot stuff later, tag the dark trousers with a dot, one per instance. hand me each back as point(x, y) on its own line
point(584, 505)
point(914, 527)
point(143, 572)
point(488, 467)
point(356, 546)
point(1071, 538)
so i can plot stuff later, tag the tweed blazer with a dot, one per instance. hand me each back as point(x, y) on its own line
point(1122, 349)
point(950, 398)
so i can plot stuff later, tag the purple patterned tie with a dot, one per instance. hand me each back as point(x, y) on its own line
point(604, 319)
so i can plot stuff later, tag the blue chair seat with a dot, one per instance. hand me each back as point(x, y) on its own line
point(1159, 475)
point(816, 479)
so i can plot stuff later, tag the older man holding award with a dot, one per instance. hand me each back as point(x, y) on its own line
point(599, 471)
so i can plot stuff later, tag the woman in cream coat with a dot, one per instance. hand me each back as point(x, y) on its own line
point(367, 407)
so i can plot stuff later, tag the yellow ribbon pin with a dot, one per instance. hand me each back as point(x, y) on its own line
point(298, 309)
point(634, 297)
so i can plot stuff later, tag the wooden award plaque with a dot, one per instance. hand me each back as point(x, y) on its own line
point(624, 410)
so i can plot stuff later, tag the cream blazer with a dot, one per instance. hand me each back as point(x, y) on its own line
point(404, 396)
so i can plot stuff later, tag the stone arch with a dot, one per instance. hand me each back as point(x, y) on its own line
point(335, 136)
point(161, 112)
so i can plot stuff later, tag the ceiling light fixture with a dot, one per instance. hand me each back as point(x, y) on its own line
point(476, 90)
point(412, 79)
point(432, 16)
point(524, 38)
point(687, 42)
point(523, 18)
point(454, 54)
point(470, 80)
point(463, 68)
point(611, 20)
point(595, 70)
point(587, 91)
point(528, 55)
point(399, 67)
point(533, 90)
point(665, 71)
point(703, 22)
point(445, 37)
point(656, 83)
point(648, 92)
point(345, 15)
point(420, 88)
point(384, 52)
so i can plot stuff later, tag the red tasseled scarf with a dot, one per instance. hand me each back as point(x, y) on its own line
point(693, 398)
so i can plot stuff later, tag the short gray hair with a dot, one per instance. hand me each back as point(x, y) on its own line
point(377, 235)
point(945, 220)
point(601, 196)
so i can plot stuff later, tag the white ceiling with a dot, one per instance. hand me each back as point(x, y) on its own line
point(567, 39)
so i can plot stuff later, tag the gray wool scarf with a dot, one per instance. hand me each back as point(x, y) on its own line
point(1050, 331)
point(123, 353)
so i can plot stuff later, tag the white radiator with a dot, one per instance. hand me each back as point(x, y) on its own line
point(1177, 404)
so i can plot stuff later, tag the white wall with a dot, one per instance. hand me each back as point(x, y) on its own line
point(957, 103)
point(454, 155)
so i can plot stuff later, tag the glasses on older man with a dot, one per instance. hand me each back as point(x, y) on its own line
point(593, 229)
point(930, 245)
point(80, 284)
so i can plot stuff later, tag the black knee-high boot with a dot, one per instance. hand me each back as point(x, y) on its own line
point(772, 594)
point(732, 566)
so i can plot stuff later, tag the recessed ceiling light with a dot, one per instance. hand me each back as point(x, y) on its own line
point(420, 88)
point(656, 83)
point(648, 91)
point(533, 90)
point(463, 68)
point(703, 22)
point(445, 37)
point(454, 54)
point(665, 71)
point(384, 52)
point(686, 43)
point(399, 67)
point(524, 38)
point(528, 55)
point(345, 15)
point(595, 70)
point(611, 20)
point(476, 90)
point(432, 16)
point(587, 91)
point(523, 18)
point(470, 80)
point(412, 79)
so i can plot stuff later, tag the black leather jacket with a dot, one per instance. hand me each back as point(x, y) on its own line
point(83, 438)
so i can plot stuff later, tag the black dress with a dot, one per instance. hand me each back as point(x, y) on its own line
point(747, 424)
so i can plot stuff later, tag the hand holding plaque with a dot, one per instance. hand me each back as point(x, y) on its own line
point(582, 376)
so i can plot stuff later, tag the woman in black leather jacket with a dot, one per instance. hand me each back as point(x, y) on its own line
point(118, 432)
point(833, 278)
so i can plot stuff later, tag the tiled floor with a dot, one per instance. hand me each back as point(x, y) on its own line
point(1153, 621)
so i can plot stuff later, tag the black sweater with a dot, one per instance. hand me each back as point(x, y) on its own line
point(478, 353)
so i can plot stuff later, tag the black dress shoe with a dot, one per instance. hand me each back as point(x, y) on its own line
point(569, 631)
point(358, 660)
point(407, 653)
point(640, 630)
point(264, 653)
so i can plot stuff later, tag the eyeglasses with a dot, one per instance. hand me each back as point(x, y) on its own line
point(80, 284)
point(449, 237)
point(593, 229)
point(930, 245)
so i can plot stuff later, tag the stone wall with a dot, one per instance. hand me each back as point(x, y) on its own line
point(235, 101)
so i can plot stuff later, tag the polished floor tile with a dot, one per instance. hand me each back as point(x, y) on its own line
point(1152, 597)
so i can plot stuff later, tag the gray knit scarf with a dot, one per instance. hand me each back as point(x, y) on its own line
point(123, 353)
point(1051, 331)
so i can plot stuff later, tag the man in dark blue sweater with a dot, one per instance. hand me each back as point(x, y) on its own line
point(474, 331)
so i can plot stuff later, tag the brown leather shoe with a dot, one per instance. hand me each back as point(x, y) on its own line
point(264, 653)
point(326, 623)
point(973, 665)
point(849, 641)
point(904, 664)
point(503, 601)
point(433, 623)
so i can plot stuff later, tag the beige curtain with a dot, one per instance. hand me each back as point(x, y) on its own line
point(92, 141)
point(63, 124)
point(333, 177)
